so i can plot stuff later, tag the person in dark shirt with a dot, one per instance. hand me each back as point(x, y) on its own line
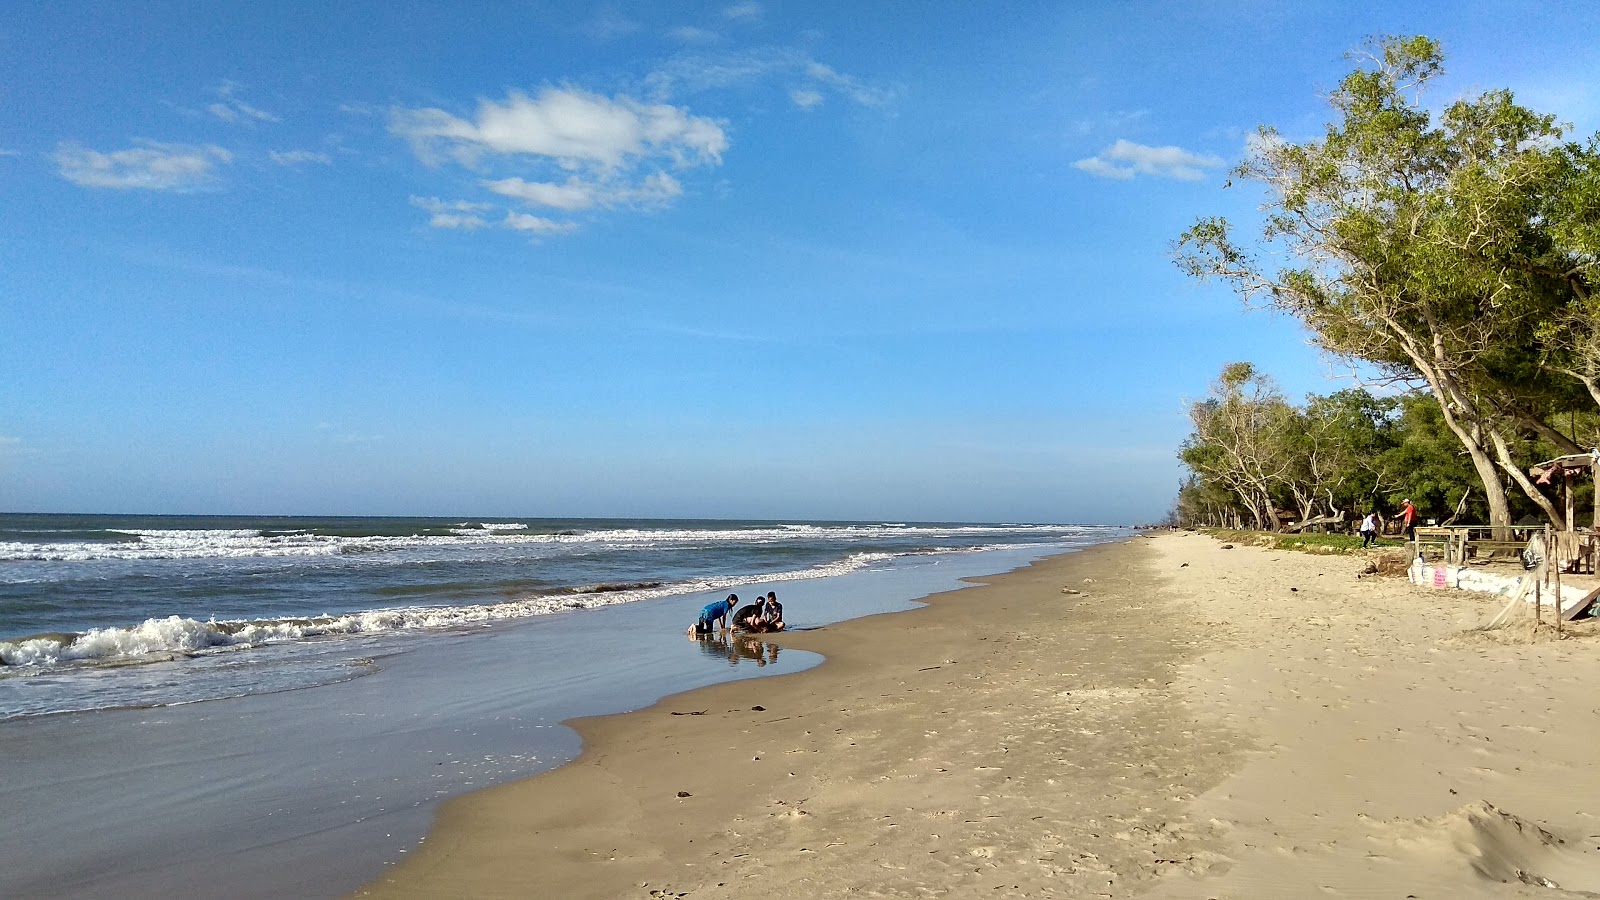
point(772, 611)
point(749, 618)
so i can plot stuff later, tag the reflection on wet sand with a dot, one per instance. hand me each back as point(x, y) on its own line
point(737, 648)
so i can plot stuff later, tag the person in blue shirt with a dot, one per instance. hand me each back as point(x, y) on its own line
point(714, 613)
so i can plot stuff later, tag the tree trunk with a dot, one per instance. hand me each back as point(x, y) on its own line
point(1336, 519)
point(1528, 487)
point(1494, 490)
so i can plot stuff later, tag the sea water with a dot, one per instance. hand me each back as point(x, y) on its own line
point(231, 606)
point(357, 671)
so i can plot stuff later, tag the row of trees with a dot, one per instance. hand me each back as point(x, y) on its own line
point(1257, 460)
point(1454, 255)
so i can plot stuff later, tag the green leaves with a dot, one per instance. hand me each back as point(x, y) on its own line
point(1459, 252)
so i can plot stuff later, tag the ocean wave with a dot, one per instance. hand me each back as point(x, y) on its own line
point(176, 636)
point(167, 544)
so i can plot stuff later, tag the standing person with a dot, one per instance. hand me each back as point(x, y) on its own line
point(772, 611)
point(1408, 516)
point(1369, 530)
point(716, 613)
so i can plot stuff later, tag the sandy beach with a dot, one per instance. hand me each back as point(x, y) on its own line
point(1160, 717)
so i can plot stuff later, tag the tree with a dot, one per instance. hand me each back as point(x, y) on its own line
point(1346, 438)
point(1432, 251)
point(1240, 440)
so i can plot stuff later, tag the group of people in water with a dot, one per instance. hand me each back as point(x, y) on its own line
point(759, 617)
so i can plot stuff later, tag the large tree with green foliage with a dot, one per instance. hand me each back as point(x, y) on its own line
point(1433, 250)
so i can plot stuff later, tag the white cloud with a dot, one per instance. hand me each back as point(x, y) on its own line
point(806, 99)
point(1100, 168)
point(743, 12)
point(149, 166)
point(457, 221)
point(536, 224)
point(434, 205)
point(4, 152)
point(569, 126)
point(298, 157)
point(1125, 159)
point(654, 190)
point(595, 147)
point(573, 195)
point(458, 214)
point(230, 108)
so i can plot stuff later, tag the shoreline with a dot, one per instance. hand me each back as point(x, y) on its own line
point(1162, 717)
point(874, 768)
point(345, 778)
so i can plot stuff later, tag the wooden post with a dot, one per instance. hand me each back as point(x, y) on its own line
point(1538, 604)
point(1566, 491)
point(1558, 571)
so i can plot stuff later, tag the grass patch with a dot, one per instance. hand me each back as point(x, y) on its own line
point(1335, 544)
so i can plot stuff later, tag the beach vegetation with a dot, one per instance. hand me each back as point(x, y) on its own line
point(1259, 461)
point(1326, 544)
point(1448, 253)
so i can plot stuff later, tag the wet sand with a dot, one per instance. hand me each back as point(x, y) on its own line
point(1161, 717)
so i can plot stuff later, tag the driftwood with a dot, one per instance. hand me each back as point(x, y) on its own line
point(1336, 519)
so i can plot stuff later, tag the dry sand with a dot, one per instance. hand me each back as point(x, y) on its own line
point(1191, 721)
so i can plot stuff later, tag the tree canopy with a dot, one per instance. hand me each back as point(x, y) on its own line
point(1455, 252)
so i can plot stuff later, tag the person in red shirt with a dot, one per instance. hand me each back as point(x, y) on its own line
point(1408, 516)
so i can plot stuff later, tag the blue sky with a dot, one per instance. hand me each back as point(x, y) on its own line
point(743, 259)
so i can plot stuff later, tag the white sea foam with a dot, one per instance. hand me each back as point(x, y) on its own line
point(176, 635)
point(155, 544)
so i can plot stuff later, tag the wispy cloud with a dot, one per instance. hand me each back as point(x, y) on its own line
point(1110, 123)
point(149, 166)
point(229, 108)
point(743, 12)
point(1125, 160)
point(848, 85)
point(610, 150)
point(609, 24)
point(575, 194)
point(5, 152)
point(693, 34)
point(458, 214)
point(806, 78)
point(299, 157)
point(536, 224)
point(806, 98)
